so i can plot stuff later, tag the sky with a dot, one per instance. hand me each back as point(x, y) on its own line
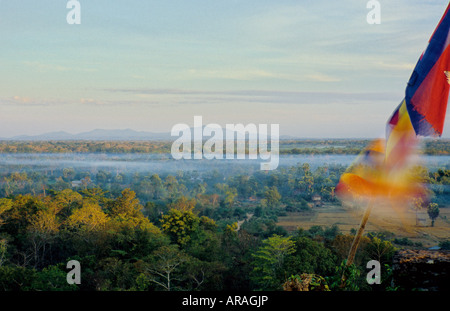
point(317, 68)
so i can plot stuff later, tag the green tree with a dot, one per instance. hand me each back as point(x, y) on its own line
point(183, 204)
point(445, 245)
point(60, 184)
point(95, 194)
point(3, 249)
point(126, 212)
point(5, 205)
point(199, 189)
point(268, 262)
point(172, 186)
point(116, 274)
point(68, 173)
point(52, 278)
point(204, 243)
point(16, 183)
point(42, 232)
point(179, 225)
point(16, 278)
point(230, 196)
point(310, 257)
point(157, 186)
point(102, 176)
point(306, 183)
point(164, 267)
point(88, 218)
point(351, 275)
point(86, 230)
point(380, 250)
point(204, 275)
point(272, 196)
point(433, 212)
point(66, 200)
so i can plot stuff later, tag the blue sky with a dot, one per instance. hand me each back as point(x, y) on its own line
point(317, 68)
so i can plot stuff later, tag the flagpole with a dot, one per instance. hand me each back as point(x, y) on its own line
point(357, 239)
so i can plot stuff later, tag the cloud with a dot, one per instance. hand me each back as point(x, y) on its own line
point(21, 101)
point(229, 74)
point(48, 67)
point(181, 96)
point(319, 77)
point(396, 66)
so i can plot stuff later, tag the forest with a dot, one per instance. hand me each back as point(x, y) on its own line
point(203, 230)
point(287, 146)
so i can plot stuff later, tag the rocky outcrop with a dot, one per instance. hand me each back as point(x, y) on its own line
point(422, 270)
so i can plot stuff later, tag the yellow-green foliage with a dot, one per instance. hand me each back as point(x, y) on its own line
point(180, 224)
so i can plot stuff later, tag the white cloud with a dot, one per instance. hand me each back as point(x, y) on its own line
point(320, 77)
point(48, 67)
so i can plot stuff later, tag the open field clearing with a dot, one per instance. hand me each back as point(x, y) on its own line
point(400, 224)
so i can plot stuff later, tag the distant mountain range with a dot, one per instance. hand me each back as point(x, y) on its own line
point(101, 134)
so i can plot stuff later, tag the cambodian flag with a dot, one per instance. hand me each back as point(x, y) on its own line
point(428, 88)
point(422, 112)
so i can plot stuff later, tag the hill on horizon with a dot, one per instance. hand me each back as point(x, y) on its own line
point(104, 134)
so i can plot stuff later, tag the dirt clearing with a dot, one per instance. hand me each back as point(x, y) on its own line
point(409, 224)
